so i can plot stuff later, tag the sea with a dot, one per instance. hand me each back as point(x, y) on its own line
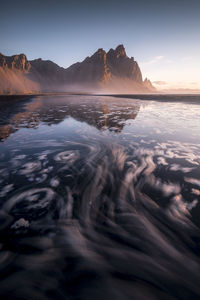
point(100, 197)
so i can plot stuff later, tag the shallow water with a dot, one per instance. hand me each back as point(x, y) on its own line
point(100, 198)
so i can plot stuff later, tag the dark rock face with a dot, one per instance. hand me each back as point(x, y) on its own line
point(104, 67)
point(46, 68)
point(15, 75)
point(93, 69)
point(18, 62)
point(112, 72)
point(123, 66)
point(47, 73)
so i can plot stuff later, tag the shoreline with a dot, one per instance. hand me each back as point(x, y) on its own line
point(20, 96)
point(194, 98)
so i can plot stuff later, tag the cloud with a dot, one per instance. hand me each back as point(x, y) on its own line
point(154, 60)
point(187, 58)
point(160, 82)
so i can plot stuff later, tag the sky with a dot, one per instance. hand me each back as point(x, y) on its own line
point(162, 36)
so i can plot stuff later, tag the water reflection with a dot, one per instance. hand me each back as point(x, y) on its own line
point(101, 200)
point(103, 114)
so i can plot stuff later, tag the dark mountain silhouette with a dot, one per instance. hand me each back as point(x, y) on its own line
point(112, 72)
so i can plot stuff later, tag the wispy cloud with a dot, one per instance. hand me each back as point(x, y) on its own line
point(187, 58)
point(154, 60)
point(160, 82)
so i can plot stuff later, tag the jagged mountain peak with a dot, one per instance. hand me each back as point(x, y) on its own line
point(148, 84)
point(15, 62)
point(21, 55)
point(99, 54)
point(112, 71)
point(100, 50)
point(120, 51)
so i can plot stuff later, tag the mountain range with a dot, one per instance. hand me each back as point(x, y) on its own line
point(105, 72)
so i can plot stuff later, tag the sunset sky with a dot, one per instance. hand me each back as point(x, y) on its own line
point(163, 36)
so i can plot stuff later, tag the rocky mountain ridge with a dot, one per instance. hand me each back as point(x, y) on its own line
point(18, 62)
point(111, 71)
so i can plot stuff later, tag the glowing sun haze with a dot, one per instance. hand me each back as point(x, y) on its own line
point(163, 36)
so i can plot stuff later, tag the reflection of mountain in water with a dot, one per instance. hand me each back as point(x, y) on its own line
point(100, 112)
point(17, 113)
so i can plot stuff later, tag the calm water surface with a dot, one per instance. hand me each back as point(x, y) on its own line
point(100, 198)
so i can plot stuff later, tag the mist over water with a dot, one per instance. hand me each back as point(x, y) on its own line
point(99, 198)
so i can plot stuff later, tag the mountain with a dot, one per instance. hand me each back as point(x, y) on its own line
point(15, 75)
point(112, 72)
point(103, 72)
